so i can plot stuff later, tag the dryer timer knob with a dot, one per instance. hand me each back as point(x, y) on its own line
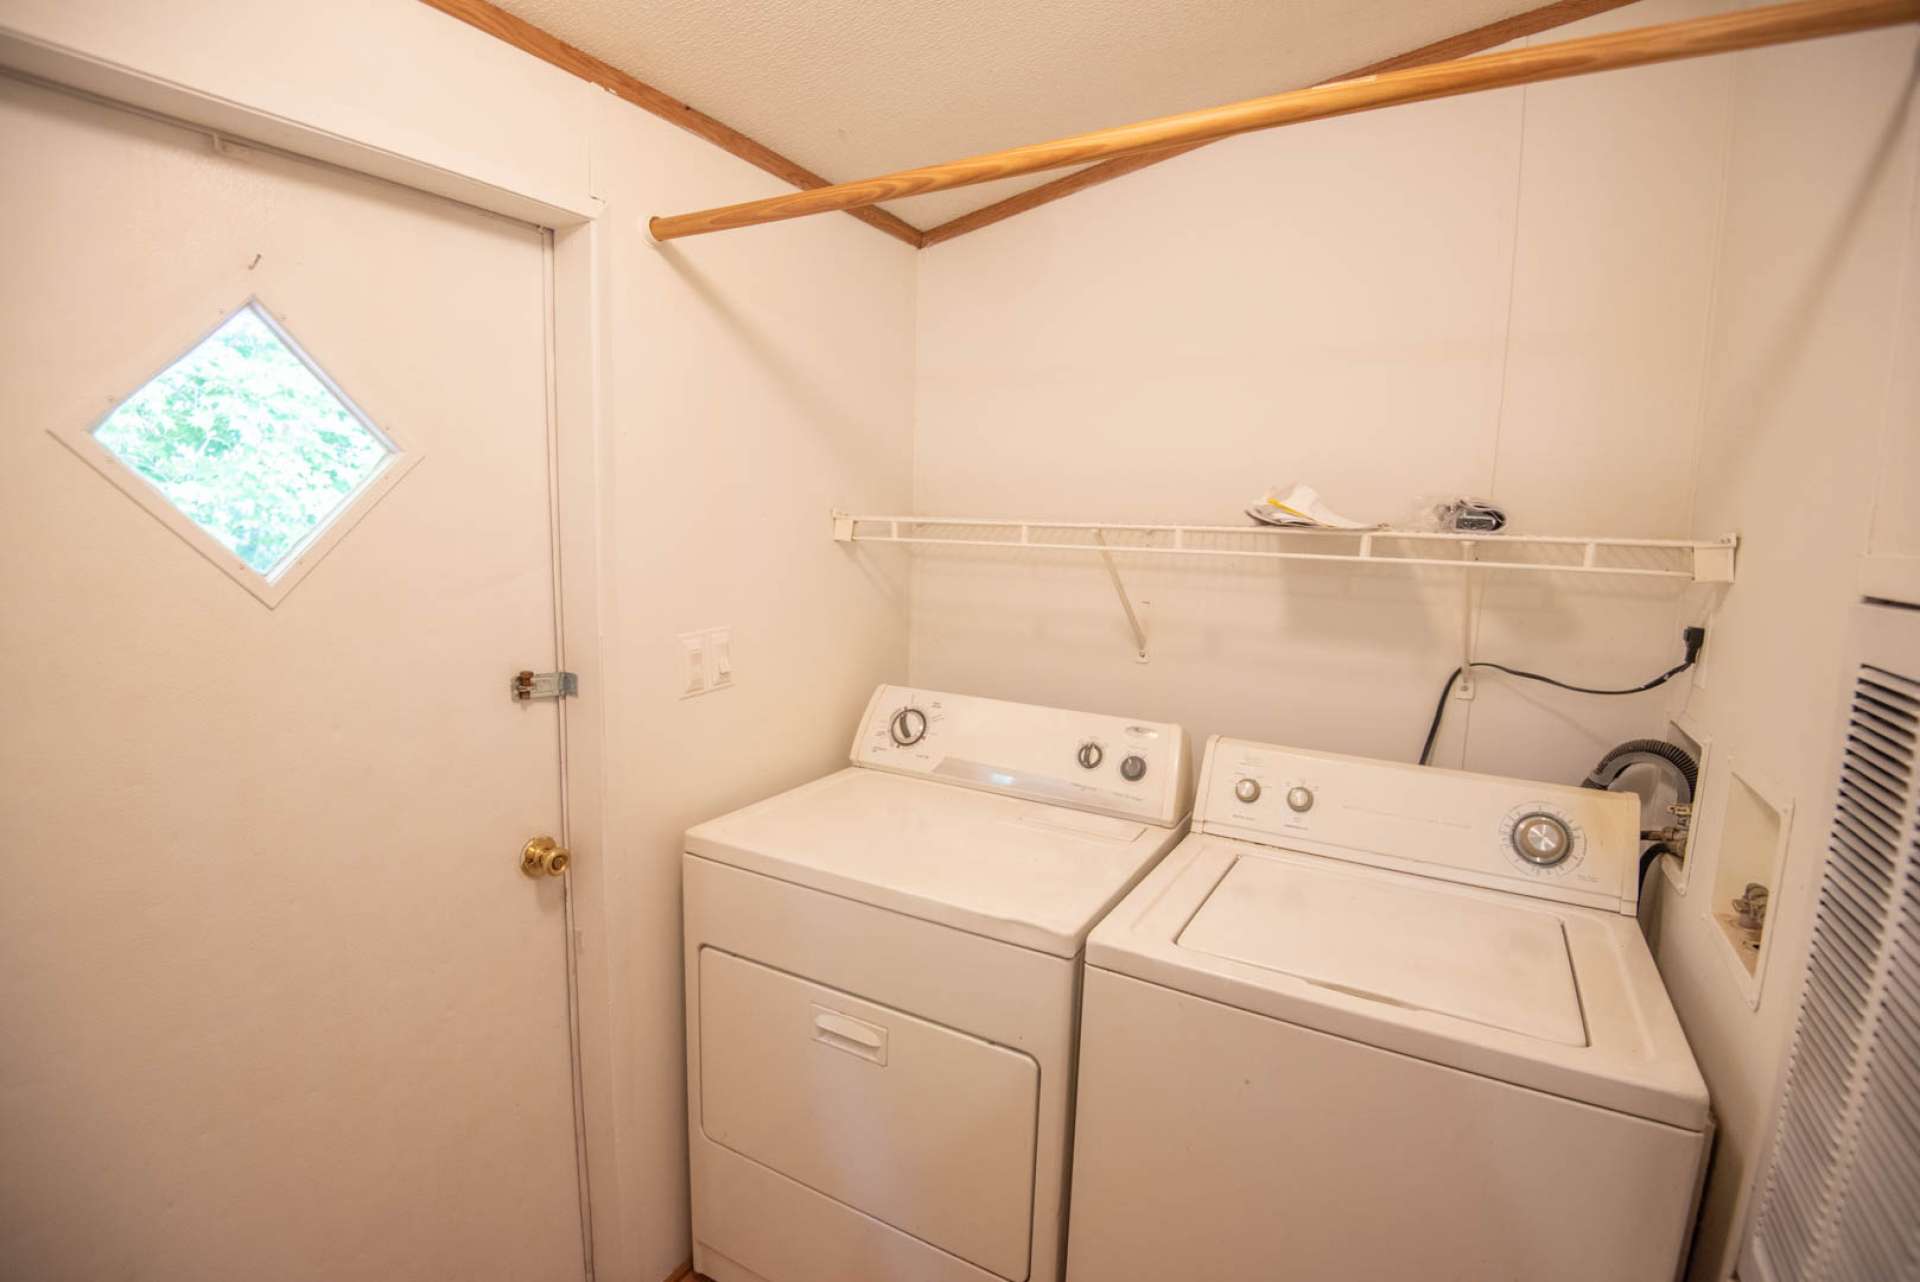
point(1133, 768)
point(908, 727)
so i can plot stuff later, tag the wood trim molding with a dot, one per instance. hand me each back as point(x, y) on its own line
point(1504, 69)
point(549, 48)
point(1492, 35)
point(523, 35)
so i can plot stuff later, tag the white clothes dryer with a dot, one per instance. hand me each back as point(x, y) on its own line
point(883, 970)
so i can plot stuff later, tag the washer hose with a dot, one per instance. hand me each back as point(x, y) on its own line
point(1651, 752)
point(1650, 854)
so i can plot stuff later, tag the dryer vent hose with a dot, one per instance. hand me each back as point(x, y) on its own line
point(1652, 752)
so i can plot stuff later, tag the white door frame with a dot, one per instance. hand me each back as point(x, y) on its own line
point(577, 248)
point(578, 253)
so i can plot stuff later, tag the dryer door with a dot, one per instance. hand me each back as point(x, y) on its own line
point(926, 1128)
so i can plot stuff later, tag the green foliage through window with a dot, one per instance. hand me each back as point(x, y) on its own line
point(247, 442)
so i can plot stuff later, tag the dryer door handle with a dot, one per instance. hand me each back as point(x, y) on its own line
point(854, 1036)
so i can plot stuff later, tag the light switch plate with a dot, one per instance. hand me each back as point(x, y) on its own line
point(693, 664)
point(706, 661)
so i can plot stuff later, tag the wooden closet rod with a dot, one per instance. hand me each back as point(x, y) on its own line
point(1724, 33)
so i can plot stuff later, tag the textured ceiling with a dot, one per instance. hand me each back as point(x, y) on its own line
point(855, 88)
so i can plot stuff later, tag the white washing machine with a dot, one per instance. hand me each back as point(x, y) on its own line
point(1374, 1020)
point(883, 971)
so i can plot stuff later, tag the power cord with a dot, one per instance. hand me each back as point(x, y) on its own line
point(1694, 638)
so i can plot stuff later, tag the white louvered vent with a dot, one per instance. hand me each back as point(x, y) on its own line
point(1840, 1199)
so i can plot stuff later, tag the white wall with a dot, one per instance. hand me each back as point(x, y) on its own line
point(1500, 295)
point(396, 90)
point(753, 383)
point(1814, 348)
point(1675, 302)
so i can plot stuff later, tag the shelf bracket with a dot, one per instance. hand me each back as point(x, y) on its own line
point(1713, 562)
point(1126, 604)
point(1463, 688)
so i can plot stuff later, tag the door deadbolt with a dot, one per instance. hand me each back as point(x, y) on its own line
point(544, 857)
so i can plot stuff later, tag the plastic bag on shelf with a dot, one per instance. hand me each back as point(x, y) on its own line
point(1433, 515)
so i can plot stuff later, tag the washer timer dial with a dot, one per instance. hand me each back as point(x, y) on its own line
point(1541, 839)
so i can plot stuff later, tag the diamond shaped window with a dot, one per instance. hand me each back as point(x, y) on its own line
point(247, 439)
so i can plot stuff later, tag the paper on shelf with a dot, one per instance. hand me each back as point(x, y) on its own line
point(1301, 508)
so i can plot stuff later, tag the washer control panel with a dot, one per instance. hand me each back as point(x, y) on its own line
point(1576, 845)
point(1111, 765)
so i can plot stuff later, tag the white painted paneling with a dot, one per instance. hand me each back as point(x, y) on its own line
point(387, 87)
point(1619, 199)
point(1620, 185)
point(1439, 300)
point(1164, 350)
point(1895, 542)
point(1254, 311)
point(1805, 347)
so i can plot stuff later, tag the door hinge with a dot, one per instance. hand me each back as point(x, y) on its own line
point(543, 685)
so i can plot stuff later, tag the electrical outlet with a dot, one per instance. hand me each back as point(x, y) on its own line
point(1699, 673)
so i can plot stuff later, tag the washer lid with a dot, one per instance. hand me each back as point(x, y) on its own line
point(1018, 871)
point(1505, 966)
point(1238, 925)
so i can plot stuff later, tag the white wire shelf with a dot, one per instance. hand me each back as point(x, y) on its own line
point(1709, 561)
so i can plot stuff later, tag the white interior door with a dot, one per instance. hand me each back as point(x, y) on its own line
point(275, 999)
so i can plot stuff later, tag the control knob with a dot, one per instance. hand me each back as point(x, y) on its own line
point(1133, 768)
point(1247, 790)
point(1300, 799)
point(908, 727)
point(1541, 839)
point(1090, 755)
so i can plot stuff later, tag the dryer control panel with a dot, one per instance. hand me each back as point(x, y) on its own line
point(1553, 841)
point(1133, 769)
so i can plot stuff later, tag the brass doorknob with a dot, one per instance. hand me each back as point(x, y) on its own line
point(544, 857)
